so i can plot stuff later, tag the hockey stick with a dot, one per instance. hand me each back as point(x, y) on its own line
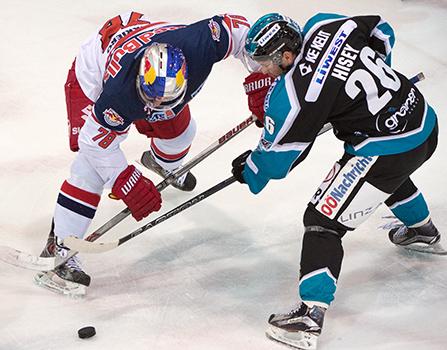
point(96, 247)
point(417, 78)
point(29, 261)
point(88, 246)
point(193, 162)
point(175, 175)
point(101, 247)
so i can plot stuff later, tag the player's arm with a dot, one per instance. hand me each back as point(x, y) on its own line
point(92, 56)
point(100, 146)
point(381, 36)
point(286, 140)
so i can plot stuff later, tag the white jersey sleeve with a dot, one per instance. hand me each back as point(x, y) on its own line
point(94, 52)
point(237, 28)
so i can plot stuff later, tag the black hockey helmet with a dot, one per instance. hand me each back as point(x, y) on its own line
point(271, 35)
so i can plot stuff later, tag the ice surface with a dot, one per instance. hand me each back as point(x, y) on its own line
point(210, 277)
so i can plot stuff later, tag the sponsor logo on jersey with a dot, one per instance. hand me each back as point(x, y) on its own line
point(268, 94)
point(326, 183)
point(136, 41)
point(397, 122)
point(305, 69)
point(267, 36)
point(358, 215)
point(264, 144)
point(343, 185)
point(157, 116)
point(215, 29)
point(316, 46)
point(327, 60)
point(87, 111)
point(119, 36)
point(112, 118)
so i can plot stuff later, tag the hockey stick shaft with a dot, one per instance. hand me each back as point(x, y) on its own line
point(90, 247)
point(168, 180)
point(78, 244)
point(103, 247)
point(193, 162)
point(25, 260)
point(174, 175)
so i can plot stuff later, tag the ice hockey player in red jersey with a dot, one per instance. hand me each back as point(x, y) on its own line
point(132, 70)
point(337, 70)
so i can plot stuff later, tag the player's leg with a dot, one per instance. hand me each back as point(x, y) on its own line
point(76, 205)
point(171, 141)
point(343, 201)
point(408, 204)
point(70, 278)
point(351, 192)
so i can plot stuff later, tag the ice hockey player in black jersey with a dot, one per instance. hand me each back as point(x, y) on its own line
point(338, 70)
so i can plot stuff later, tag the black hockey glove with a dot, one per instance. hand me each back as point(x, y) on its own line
point(238, 165)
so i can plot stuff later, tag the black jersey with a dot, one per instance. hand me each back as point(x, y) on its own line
point(342, 76)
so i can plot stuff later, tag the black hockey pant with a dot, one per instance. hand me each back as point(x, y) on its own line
point(350, 193)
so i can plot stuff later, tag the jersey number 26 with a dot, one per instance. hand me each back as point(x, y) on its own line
point(377, 67)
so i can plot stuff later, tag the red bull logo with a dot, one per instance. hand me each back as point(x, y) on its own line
point(215, 30)
point(112, 118)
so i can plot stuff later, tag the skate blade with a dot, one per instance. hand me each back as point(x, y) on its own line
point(49, 280)
point(296, 340)
point(436, 248)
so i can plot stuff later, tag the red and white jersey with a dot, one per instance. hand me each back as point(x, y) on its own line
point(106, 44)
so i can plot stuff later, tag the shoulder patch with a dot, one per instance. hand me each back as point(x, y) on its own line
point(112, 118)
point(215, 29)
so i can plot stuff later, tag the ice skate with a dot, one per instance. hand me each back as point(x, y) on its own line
point(186, 182)
point(69, 278)
point(423, 239)
point(299, 328)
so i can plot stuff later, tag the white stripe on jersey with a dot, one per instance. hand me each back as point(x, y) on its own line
point(383, 37)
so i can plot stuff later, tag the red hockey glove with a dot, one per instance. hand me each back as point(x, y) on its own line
point(138, 192)
point(256, 86)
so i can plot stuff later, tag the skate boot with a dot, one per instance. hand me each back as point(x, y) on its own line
point(186, 182)
point(424, 239)
point(69, 278)
point(299, 328)
point(48, 250)
point(425, 234)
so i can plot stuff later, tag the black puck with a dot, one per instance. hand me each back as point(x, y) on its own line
point(86, 332)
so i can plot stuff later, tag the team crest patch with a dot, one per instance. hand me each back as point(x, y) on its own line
point(215, 30)
point(112, 118)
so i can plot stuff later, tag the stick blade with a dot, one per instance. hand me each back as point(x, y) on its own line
point(84, 246)
point(25, 260)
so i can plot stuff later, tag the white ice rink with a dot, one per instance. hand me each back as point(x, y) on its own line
point(209, 277)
